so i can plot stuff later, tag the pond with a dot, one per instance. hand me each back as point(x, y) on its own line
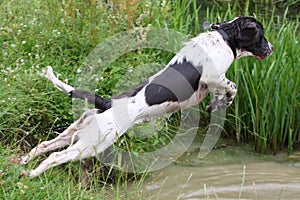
point(227, 173)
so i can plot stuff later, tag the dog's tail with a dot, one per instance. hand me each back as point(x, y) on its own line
point(101, 103)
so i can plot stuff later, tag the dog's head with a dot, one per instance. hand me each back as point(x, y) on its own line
point(246, 36)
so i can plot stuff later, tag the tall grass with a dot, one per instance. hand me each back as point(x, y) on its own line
point(266, 110)
point(268, 100)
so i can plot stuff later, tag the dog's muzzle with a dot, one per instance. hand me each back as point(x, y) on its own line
point(267, 52)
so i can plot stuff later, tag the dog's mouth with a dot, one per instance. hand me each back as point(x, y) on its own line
point(261, 57)
point(265, 54)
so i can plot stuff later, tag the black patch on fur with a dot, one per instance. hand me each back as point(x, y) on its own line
point(133, 91)
point(99, 102)
point(176, 83)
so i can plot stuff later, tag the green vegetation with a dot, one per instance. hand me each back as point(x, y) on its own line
point(35, 34)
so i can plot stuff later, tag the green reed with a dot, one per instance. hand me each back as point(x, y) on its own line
point(268, 99)
point(266, 111)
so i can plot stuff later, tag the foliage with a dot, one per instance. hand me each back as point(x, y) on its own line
point(267, 106)
point(35, 34)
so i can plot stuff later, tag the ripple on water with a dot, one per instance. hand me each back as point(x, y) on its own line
point(251, 180)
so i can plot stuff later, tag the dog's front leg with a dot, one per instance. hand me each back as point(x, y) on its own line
point(223, 94)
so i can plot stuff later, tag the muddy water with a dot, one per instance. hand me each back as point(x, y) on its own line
point(243, 175)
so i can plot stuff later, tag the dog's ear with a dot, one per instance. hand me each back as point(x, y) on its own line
point(251, 28)
point(248, 33)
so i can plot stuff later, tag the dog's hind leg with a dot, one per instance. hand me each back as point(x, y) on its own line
point(80, 150)
point(65, 138)
point(72, 153)
point(97, 133)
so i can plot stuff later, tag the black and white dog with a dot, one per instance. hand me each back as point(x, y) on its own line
point(197, 69)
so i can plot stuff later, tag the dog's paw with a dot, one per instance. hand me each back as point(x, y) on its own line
point(33, 173)
point(23, 173)
point(15, 159)
point(217, 105)
point(209, 108)
point(24, 160)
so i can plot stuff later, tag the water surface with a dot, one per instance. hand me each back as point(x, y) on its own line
point(243, 175)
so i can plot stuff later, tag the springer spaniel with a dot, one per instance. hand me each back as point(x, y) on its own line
point(197, 69)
